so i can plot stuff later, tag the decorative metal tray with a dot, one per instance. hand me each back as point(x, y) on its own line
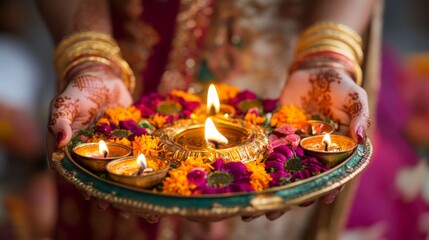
point(150, 204)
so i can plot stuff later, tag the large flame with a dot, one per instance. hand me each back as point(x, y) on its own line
point(212, 100)
point(212, 134)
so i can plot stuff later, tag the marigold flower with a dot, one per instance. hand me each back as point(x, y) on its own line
point(158, 120)
point(255, 119)
point(289, 114)
point(259, 179)
point(118, 114)
point(123, 141)
point(185, 96)
point(148, 145)
point(226, 92)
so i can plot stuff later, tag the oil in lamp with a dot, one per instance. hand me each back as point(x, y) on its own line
point(139, 171)
point(330, 149)
point(95, 156)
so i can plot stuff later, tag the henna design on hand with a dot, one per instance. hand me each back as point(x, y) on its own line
point(319, 99)
point(353, 106)
point(63, 107)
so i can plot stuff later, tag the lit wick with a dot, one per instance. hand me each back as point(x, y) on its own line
point(102, 149)
point(212, 135)
point(141, 160)
point(213, 103)
point(327, 141)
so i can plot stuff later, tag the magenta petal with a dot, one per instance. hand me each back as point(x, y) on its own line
point(234, 168)
point(197, 176)
point(217, 165)
point(269, 105)
point(285, 151)
point(274, 165)
point(299, 152)
point(128, 125)
point(276, 156)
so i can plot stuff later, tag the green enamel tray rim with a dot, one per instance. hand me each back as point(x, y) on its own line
point(143, 202)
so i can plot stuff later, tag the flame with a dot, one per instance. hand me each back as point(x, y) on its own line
point(212, 134)
point(212, 99)
point(141, 160)
point(327, 140)
point(102, 148)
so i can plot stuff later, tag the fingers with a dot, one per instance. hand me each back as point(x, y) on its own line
point(358, 110)
point(274, 215)
point(331, 196)
point(63, 112)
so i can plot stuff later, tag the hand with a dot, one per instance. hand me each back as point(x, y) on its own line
point(331, 93)
point(93, 87)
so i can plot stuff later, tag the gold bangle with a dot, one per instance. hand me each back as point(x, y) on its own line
point(336, 27)
point(91, 47)
point(79, 36)
point(354, 46)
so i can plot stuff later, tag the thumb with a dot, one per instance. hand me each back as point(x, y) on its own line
point(62, 132)
point(359, 124)
point(63, 112)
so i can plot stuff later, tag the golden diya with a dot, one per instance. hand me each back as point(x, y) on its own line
point(95, 156)
point(330, 149)
point(232, 140)
point(213, 107)
point(139, 171)
point(312, 128)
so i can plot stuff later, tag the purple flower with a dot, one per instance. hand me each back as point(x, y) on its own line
point(242, 96)
point(137, 132)
point(286, 164)
point(226, 178)
point(103, 128)
point(197, 176)
point(269, 105)
point(128, 125)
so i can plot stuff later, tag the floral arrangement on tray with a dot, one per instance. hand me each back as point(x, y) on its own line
point(282, 161)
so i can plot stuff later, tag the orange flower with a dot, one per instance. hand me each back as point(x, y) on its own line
point(148, 145)
point(158, 120)
point(289, 114)
point(185, 96)
point(123, 141)
point(226, 92)
point(177, 181)
point(259, 179)
point(118, 114)
point(254, 118)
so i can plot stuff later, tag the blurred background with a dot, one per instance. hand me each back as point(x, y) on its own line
point(400, 192)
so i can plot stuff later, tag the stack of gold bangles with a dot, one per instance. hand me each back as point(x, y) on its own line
point(85, 47)
point(329, 44)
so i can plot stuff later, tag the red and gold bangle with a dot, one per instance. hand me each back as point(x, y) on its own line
point(329, 44)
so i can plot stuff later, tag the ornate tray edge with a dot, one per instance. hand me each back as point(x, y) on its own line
point(257, 203)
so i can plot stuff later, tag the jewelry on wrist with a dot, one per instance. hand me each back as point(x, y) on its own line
point(83, 47)
point(329, 41)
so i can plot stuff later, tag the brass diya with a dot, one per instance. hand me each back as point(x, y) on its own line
point(88, 155)
point(124, 171)
point(246, 142)
point(312, 128)
point(340, 148)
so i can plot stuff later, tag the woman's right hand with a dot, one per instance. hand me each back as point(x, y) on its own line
point(92, 88)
